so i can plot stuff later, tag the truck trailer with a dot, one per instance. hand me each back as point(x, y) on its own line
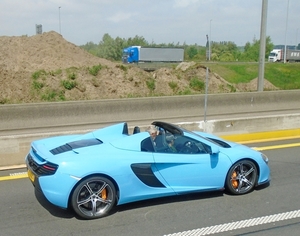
point(277, 55)
point(136, 54)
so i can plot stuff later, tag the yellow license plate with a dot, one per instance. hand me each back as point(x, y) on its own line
point(31, 176)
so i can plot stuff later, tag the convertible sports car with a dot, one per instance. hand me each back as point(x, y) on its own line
point(92, 173)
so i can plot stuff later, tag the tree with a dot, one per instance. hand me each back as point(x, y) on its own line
point(251, 51)
point(111, 49)
point(136, 41)
point(192, 52)
point(91, 48)
point(224, 51)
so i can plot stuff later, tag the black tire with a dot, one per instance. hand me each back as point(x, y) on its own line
point(241, 178)
point(93, 197)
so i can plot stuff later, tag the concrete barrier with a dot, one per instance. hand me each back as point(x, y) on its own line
point(229, 114)
point(64, 114)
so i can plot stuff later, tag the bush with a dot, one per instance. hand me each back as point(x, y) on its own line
point(57, 72)
point(150, 84)
point(186, 91)
point(173, 85)
point(95, 69)
point(51, 95)
point(37, 85)
point(68, 84)
point(122, 67)
point(72, 76)
point(4, 101)
point(197, 84)
point(38, 73)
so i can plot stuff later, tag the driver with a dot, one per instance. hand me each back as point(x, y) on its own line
point(170, 141)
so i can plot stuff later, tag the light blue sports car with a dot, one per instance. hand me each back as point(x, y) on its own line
point(93, 172)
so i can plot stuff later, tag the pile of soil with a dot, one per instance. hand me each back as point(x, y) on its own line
point(46, 67)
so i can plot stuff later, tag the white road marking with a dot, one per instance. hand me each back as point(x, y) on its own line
point(17, 173)
point(239, 224)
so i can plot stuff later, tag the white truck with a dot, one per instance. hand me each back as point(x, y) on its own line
point(277, 55)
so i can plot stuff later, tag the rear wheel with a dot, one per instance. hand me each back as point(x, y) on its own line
point(242, 177)
point(93, 197)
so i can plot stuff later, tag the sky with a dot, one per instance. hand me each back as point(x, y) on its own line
point(158, 21)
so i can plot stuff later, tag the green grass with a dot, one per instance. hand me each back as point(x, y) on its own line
point(37, 85)
point(173, 85)
point(150, 84)
point(52, 95)
point(197, 84)
point(283, 76)
point(68, 84)
point(95, 69)
point(122, 67)
point(38, 74)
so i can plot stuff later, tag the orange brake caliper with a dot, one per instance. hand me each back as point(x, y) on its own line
point(234, 182)
point(104, 194)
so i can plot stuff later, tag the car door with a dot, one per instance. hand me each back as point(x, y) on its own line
point(192, 171)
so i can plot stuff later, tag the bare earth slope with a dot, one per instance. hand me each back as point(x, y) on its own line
point(46, 67)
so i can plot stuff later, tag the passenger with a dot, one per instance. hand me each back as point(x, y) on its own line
point(159, 140)
point(152, 130)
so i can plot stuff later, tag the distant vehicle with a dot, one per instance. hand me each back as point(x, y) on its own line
point(93, 172)
point(277, 55)
point(136, 54)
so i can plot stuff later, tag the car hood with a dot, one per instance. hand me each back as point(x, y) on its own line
point(231, 149)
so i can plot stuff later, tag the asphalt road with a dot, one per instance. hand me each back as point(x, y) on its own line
point(271, 210)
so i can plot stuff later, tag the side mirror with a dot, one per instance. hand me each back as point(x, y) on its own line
point(214, 150)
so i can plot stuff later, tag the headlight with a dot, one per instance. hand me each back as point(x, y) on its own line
point(265, 158)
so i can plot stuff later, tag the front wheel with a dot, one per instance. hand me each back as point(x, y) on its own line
point(242, 177)
point(93, 197)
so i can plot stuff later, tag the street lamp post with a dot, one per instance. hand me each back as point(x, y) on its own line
point(286, 26)
point(59, 19)
point(296, 46)
point(209, 41)
point(262, 49)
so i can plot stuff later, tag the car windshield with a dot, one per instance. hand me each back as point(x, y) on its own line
point(175, 139)
point(216, 142)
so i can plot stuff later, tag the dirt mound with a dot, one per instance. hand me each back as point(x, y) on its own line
point(252, 85)
point(48, 51)
point(46, 67)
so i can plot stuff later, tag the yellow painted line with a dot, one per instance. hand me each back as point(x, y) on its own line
point(21, 176)
point(239, 138)
point(263, 136)
point(269, 140)
point(277, 146)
